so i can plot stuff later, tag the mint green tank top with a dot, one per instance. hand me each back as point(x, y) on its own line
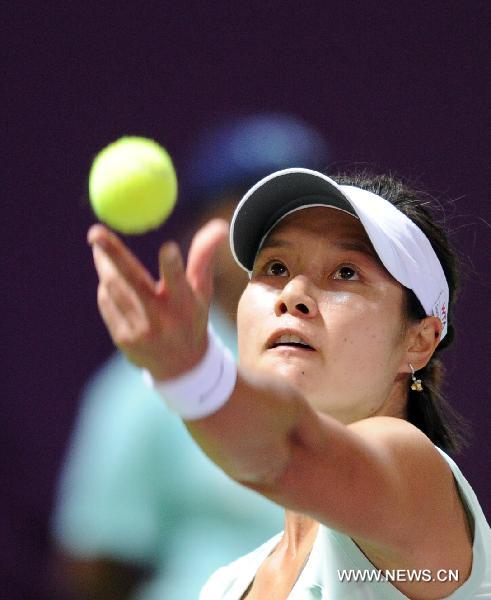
point(334, 554)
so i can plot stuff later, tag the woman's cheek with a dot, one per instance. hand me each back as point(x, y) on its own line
point(257, 300)
point(255, 304)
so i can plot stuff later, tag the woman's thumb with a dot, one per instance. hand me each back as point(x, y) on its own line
point(205, 243)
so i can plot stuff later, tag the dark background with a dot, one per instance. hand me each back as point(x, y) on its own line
point(398, 86)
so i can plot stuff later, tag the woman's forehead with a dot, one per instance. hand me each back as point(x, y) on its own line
point(320, 222)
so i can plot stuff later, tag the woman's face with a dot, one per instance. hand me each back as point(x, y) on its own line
point(323, 313)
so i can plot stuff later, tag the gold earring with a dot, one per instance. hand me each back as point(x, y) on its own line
point(416, 385)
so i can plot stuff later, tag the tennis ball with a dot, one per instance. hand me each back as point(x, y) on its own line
point(132, 185)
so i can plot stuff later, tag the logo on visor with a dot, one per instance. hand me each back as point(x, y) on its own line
point(440, 310)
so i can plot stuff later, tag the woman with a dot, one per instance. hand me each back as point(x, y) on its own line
point(347, 299)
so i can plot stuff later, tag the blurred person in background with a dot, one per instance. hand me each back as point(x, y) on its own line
point(142, 513)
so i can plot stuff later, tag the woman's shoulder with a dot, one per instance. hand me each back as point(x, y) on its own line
point(479, 580)
point(467, 494)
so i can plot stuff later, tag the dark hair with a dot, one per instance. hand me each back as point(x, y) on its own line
point(428, 410)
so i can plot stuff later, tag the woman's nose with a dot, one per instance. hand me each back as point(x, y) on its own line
point(296, 299)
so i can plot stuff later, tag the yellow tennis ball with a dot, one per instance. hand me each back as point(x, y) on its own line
point(133, 185)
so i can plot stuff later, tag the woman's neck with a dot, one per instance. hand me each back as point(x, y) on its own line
point(300, 531)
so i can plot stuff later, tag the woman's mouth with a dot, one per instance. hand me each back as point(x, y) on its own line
point(290, 341)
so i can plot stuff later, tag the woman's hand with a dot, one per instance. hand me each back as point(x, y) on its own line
point(159, 325)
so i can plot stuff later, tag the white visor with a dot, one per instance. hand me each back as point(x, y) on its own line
point(402, 247)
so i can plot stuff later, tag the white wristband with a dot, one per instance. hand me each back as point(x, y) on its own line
point(205, 388)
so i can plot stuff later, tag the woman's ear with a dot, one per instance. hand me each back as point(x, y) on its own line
point(423, 338)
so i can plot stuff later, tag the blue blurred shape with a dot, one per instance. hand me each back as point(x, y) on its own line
point(241, 150)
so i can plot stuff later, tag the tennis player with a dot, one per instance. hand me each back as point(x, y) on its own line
point(334, 412)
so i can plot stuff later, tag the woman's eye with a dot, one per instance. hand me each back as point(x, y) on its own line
point(346, 273)
point(276, 269)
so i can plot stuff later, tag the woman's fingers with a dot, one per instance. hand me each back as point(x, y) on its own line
point(159, 325)
point(125, 262)
point(117, 325)
point(127, 302)
point(175, 280)
point(172, 274)
point(103, 265)
point(114, 288)
point(200, 261)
